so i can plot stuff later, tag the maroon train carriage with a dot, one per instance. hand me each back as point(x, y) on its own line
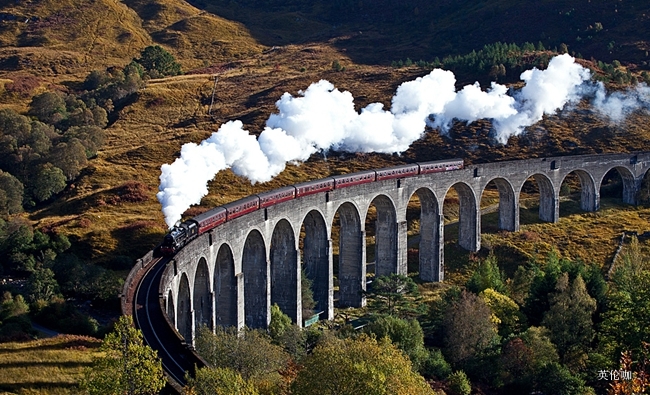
point(440, 166)
point(349, 180)
point(242, 207)
point(311, 187)
point(210, 219)
point(277, 196)
point(398, 172)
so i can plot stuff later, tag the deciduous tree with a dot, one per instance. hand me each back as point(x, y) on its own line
point(468, 329)
point(127, 366)
point(218, 381)
point(249, 353)
point(11, 194)
point(358, 366)
point(48, 182)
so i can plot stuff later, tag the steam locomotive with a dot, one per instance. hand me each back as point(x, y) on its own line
point(190, 229)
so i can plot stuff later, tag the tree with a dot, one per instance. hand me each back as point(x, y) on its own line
point(486, 276)
point(569, 318)
point(127, 365)
point(11, 194)
point(249, 353)
point(523, 357)
point(543, 284)
point(358, 366)
point(459, 384)
point(505, 312)
point(157, 61)
point(42, 285)
point(407, 335)
point(554, 378)
point(48, 182)
point(219, 381)
point(91, 137)
point(468, 329)
point(48, 107)
point(70, 157)
point(390, 291)
point(626, 321)
point(279, 324)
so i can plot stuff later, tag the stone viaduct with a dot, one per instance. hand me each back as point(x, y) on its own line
point(231, 275)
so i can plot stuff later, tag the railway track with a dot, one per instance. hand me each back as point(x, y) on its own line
point(176, 356)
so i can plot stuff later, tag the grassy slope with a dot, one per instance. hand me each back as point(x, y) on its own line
point(49, 366)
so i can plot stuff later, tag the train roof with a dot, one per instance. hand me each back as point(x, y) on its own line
point(203, 216)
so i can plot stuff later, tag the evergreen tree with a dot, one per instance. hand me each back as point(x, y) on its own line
point(626, 322)
point(158, 62)
point(569, 318)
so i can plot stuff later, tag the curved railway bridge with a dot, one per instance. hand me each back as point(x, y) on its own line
point(232, 274)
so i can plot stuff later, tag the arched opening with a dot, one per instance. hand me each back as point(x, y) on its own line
point(285, 280)
point(348, 256)
point(460, 209)
point(316, 269)
point(617, 186)
point(184, 318)
point(170, 307)
point(425, 253)
point(578, 193)
point(643, 195)
point(381, 236)
point(538, 201)
point(225, 288)
point(256, 286)
point(202, 300)
point(499, 207)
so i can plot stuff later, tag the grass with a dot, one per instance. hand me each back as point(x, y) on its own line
point(52, 366)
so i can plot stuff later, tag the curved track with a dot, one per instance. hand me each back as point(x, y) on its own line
point(176, 357)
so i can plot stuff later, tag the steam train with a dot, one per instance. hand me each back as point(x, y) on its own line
point(190, 229)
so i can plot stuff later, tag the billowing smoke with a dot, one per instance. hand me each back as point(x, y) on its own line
point(323, 118)
point(616, 106)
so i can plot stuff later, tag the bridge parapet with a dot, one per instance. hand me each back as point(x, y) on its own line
point(255, 260)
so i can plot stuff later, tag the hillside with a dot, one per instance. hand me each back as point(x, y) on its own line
point(381, 31)
point(256, 63)
point(53, 38)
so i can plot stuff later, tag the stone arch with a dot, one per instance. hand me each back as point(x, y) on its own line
point(629, 184)
point(225, 287)
point(589, 196)
point(352, 262)
point(385, 236)
point(431, 251)
point(508, 204)
point(202, 300)
point(549, 206)
point(170, 307)
point(285, 271)
point(256, 281)
point(184, 312)
point(316, 258)
point(469, 232)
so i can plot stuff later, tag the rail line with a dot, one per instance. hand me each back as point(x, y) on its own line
point(177, 358)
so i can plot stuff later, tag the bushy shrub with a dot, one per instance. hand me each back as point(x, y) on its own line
point(459, 384)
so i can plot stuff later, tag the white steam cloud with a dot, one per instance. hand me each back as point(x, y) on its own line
point(323, 118)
